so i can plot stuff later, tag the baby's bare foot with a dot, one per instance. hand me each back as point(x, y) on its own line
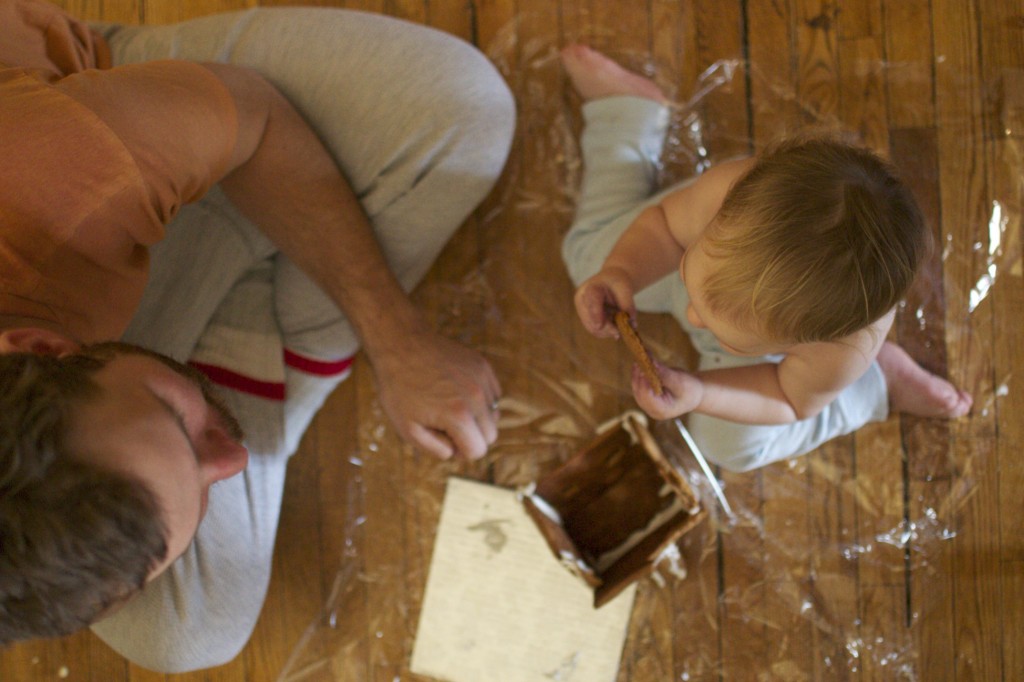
point(595, 76)
point(915, 390)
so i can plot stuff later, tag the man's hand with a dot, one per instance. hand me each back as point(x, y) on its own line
point(440, 395)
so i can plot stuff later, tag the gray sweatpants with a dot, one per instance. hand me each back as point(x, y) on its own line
point(621, 145)
point(420, 123)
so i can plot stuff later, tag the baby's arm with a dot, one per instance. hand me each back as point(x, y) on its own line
point(644, 254)
point(652, 246)
point(647, 250)
point(808, 378)
point(691, 208)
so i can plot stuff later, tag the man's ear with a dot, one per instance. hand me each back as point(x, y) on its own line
point(38, 341)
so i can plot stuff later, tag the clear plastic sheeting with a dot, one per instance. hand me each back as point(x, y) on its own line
point(825, 567)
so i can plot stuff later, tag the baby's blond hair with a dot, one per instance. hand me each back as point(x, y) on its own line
point(816, 241)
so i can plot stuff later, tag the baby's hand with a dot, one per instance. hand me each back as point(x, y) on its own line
point(682, 392)
point(598, 298)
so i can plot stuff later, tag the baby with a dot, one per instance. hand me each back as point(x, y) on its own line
point(784, 269)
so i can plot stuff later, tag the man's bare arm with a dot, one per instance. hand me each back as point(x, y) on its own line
point(282, 178)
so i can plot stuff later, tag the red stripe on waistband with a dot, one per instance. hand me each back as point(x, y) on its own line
point(323, 368)
point(270, 390)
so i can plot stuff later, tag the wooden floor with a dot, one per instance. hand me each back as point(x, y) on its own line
point(895, 553)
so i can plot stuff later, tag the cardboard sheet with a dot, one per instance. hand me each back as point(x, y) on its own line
point(499, 607)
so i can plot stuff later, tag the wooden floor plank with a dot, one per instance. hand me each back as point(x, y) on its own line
point(976, 559)
point(863, 100)
point(384, 479)
point(909, 63)
point(886, 650)
point(1013, 621)
point(921, 329)
point(965, 207)
point(772, 70)
point(333, 449)
point(880, 492)
point(861, 20)
point(787, 564)
point(862, 93)
point(978, 581)
point(1002, 59)
point(170, 11)
point(490, 21)
point(838, 642)
point(931, 596)
point(736, 564)
point(720, 34)
point(115, 11)
point(344, 636)
point(817, 54)
point(104, 663)
point(673, 36)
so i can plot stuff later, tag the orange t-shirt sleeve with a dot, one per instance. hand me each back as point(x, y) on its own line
point(175, 118)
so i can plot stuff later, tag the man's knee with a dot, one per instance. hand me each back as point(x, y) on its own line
point(477, 112)
point(179, 646)
point(487, 101)
point(201, 612)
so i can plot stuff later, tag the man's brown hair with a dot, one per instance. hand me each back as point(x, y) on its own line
point(819, 239)
point(74, 539)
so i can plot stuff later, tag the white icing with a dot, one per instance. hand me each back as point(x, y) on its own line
point(526, 491)
point(674, 558)
point(576, 565)
point(541, 504)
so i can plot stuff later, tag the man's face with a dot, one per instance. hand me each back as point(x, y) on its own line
point(158, 422)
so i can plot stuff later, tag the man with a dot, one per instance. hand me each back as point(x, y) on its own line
point(196, 207)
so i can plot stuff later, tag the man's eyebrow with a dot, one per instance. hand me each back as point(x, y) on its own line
point(179, 420)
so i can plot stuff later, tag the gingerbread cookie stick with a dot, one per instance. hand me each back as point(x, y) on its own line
point(639, 351)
